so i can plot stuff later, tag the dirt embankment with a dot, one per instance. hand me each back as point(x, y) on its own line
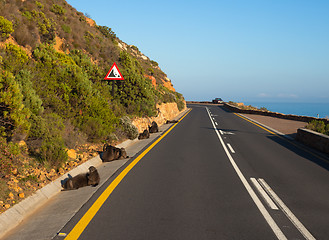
point(166, 111)
point(27, 179)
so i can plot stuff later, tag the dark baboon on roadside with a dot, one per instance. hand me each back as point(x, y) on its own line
point(145, 134)
point(171, 121)
point(93, 176)
point(76, 182)
point(154, 128)
point(82, 180)
point(123, 154)
point(111, 153)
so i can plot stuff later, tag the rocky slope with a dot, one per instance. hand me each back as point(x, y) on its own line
point(55, 109)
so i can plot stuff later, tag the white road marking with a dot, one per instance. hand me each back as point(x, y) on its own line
point(277, 231)
point(264, 195)
point(286, 210)
point(216, 123)
point(228, 133)
point(221, 132)
point(230, 147)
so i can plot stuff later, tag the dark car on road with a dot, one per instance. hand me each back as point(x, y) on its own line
point(217, 100)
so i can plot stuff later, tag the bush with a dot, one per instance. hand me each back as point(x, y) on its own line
point(16, 57)
point(66, 28)
point(7, 153)
point(40, 5)
point(6, 27)
point(13, 114)
point(31, 100)
point(57, 9)
point(318, 126)
point(107, 32)
point(129, 129)
point(45, 139)
point(53, 152)
point(135, 93)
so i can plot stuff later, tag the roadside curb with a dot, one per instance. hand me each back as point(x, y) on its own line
point(16, 214)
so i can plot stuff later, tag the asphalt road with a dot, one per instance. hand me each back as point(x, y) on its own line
point(206, 179)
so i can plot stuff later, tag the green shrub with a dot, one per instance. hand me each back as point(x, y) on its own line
point(318, 126)
point(53, 152)
point(107, 32)
point(66, 28)
point(40, 5)
point(13, 115)
point(46, 134)
point(30, 98)
point(57, 9)
point(180, 101)
point(136, 93)
point(16, 57)
point(18, 53)
point(129, 129)
point(154, 63)
point(6, 27)
point(27, 14)
point(7, 153)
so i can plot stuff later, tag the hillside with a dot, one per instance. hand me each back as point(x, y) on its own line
point(52, 95)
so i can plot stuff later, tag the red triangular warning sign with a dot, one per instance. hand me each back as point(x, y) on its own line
point(114, 73)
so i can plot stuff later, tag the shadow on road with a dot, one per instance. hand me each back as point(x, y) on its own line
point(312, 155)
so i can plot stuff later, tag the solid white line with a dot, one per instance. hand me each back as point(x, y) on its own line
point(286, 210)
point(221, 132)
point(264, 195)
point(230, 147)
point(277, 231)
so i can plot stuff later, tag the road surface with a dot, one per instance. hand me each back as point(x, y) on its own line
point(213, 175)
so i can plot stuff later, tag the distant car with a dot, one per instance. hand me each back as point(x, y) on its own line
point(217, 100)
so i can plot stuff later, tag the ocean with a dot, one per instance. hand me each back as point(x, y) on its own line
point(320, 110)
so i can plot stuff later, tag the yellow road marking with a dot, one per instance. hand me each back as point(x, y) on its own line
point(255, 124)
point(304, 149)
point(89, 215)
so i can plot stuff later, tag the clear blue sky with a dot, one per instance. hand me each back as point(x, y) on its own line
point(255, 50)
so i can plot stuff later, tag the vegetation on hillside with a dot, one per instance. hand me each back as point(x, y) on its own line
point(52, 93)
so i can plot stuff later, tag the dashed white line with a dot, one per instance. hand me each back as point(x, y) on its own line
point(286, 211)
point(230, 147)
point(216, 123)
point(277, 231)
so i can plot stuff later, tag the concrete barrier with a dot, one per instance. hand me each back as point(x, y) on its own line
point(313, 139)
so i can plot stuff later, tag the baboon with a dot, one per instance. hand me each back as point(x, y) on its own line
point(93, 176)
point(76, 182)
point(123, 154)
point(82, 180)
point(111, 153)
point(154, 128)
point(145, 134)
point(171, 121)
